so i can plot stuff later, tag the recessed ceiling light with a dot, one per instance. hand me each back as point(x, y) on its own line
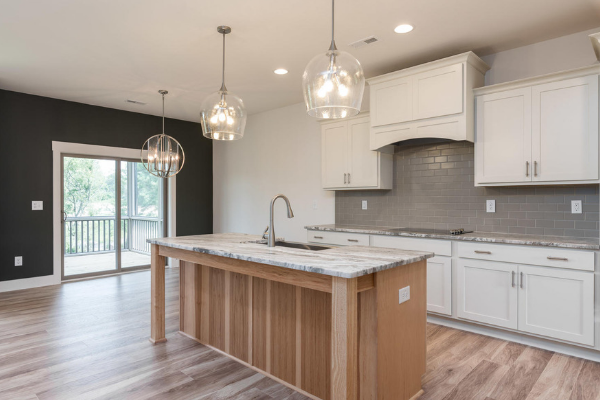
point(404, 28)
point(281, 71)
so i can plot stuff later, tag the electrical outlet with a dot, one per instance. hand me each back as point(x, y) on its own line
point(576, 207)
point(490, 206)
point(37, 205)
point(364, 204)
point(404, 295)
point(18, 261)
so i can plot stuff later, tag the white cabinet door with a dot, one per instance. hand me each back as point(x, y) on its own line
point(364, 163)
point(557, 303)
point(438, 92)
point(439, 285)
point(334, 155)
point(503, 137)
point(391, 102)
point(565, 130)
point(487, 292)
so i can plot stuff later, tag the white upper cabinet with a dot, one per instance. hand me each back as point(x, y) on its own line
point(538, 131)
point(347, 161)
point(433, 100)
point(503, 144)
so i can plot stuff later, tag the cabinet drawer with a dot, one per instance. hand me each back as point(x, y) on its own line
point(545, 256)
point(439, 247)
point(338, 238)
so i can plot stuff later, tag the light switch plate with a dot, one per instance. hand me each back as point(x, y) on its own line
point(576, 207)
point(490, 206)
point(364, 204)
point(18, 261)
point(404, 295)
point(37, 205)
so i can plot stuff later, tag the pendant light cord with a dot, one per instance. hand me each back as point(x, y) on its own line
point(163, 96)
point(223, 88)
point(332, 47)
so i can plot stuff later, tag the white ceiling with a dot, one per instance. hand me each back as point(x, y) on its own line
point(104, 52)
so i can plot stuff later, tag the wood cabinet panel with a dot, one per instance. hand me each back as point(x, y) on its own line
point(334, 148)
point(217, 309)
point(283, 331)
point(239, 313)
point(392, 102)
point(364, 163)
point(438, 92)
point(439, 285)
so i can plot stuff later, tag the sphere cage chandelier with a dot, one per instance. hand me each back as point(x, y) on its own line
point(162, 155)
point(333, 83)
point(223, 115)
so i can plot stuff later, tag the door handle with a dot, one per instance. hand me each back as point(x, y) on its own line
point(64, 216)
point(522, 278)
point(348, 177)
point(527, 168)
point(535, 168)
point(345, 178)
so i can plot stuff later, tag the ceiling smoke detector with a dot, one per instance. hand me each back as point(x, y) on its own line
point(139, 103)
point(364, 42)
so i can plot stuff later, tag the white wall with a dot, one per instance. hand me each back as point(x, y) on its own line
point(280, 153)
point(281, 150)
point(566, 52)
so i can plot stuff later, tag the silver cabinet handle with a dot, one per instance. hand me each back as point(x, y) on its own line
point(527, 168)
point(557, 258)
point(482, 252)
point(345, 178)
point(348, 177)
point(522, 278)
point(535, 168)
point(513, 279)
point(353, 240)
point(318, 237)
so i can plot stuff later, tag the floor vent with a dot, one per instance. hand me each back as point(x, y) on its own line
point(364, 42)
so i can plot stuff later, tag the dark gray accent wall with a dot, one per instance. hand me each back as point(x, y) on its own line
point(434, 188)
point(29, 124)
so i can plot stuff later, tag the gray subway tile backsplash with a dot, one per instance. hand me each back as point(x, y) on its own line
point(434, 188)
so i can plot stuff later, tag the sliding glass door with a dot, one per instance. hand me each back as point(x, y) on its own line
point(110, 207)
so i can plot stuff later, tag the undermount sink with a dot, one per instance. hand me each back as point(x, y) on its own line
point(302, 246)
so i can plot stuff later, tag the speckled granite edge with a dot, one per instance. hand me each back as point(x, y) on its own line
point(484, 237)
point(344, 262)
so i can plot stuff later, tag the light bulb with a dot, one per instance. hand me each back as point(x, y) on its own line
point(229, 120)
point(328, 85)
point(213, 120)
point(343, 90)
point(221, 116)
point(321, 93)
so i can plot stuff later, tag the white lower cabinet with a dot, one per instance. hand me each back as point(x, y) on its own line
point(557, 303)
point(544, 301)
point(439, 285)
point(487, 292)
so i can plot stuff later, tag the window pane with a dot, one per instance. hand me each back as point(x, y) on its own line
point(147, 188)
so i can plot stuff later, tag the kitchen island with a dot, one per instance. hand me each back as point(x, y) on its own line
point(327, 323)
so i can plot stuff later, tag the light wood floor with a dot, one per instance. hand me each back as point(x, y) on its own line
point(87, 263)
point(89, 340)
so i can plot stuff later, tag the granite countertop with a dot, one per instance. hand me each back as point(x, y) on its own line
point(485, 237)
point(344, 262)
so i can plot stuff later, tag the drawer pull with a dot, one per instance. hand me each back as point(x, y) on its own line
point(513, 278)
point(353, 240)
point(522, 279)
point(318, 237)
point(482, 252)
point(557, 258)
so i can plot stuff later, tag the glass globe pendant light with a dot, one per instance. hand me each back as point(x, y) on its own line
point(333, 83)
point(162, 155)
point(223, 113)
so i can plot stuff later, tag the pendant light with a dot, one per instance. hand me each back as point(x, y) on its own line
point(333, 83)
point(162, 155)
point(223, 113)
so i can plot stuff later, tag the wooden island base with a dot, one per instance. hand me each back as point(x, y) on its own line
point(327, 337)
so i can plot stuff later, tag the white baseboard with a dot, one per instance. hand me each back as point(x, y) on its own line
point(563, 348)
point(29, 283)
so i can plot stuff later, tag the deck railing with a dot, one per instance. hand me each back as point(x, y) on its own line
point(97, 234)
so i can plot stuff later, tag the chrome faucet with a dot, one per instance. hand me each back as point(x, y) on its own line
point(290, 214)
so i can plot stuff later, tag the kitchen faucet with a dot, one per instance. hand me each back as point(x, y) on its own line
point(290, 214)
